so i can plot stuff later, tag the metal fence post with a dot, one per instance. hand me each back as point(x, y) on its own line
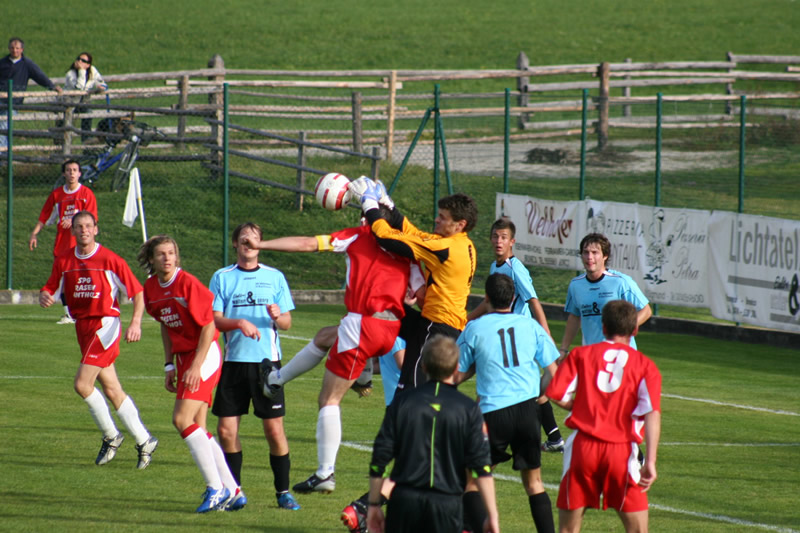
point(659, 118)
point(225, 176)
point(435, 148)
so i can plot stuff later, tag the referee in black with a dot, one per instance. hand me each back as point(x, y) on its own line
point(435, 436)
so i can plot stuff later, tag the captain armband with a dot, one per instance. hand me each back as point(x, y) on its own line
point(324, 243)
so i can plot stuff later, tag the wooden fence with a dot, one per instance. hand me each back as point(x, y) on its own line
point(190, 103)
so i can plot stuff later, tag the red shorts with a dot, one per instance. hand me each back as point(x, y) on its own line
point(209, 374)
point(99, 340)
point(593, 468)
point(359, 338)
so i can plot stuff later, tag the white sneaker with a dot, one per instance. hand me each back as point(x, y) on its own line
point(66, 319)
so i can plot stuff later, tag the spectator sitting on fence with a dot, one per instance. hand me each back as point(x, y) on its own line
point(83, 76)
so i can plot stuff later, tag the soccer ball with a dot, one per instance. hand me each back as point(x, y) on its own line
point(333, 191)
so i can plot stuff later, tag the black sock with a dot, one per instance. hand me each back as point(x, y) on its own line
point(474, 511)
point(542, 512)
point(548, 420)
point(280, 465)
point(234, 461)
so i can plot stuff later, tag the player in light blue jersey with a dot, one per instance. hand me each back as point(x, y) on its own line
point(525, 303)
point(251, 303)
point(507, 353)
point(589, 292)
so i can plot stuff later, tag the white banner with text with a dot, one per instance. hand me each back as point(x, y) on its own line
point(662, 249)
point(755, 263)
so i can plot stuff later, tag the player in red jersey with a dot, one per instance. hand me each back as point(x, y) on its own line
point(375, 287)
point(616, 405)
point(91, 277)
point(182, 304)
point(59, 208)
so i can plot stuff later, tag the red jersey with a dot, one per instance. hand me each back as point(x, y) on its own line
point(376, 279)
point(91, 283)
point(61, 205)
point(183, 305)
point(614, 387)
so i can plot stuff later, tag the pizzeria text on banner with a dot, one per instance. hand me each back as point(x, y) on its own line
point(755, 263)
point(662, 249)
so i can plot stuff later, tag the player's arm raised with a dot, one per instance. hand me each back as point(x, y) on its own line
point(285, 244)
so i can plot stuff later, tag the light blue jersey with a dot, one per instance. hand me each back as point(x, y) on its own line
point(586, 299)
point(508, 351)
point(523, 284)
point(390, 374)
point(240, 293)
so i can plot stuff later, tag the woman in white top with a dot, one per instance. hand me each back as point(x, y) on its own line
point(82, 76)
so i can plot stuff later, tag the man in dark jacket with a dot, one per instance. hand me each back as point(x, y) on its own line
point(15, 66)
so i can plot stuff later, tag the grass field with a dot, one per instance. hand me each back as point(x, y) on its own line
point(728, 459)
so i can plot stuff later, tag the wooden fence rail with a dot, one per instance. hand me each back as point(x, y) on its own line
point(196, 95)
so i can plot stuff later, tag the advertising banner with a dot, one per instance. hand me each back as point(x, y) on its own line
point(755, 264)
point(662, 249)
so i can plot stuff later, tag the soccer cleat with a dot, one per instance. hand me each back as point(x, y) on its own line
point(237, 501)
point(287, 501)
point(264, 370)
point(363, 390)
point(66, 319)
point(553, 446)
point(315, 484)
point(354, 517)
point(146, 450)
point(108, 449)
point(213, 499)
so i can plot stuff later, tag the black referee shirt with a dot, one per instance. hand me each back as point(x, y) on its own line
point(433, 433)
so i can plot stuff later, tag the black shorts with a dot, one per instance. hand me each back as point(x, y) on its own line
point(238, 385)
point(516, 426)
point(416, 330)
point(423, 511)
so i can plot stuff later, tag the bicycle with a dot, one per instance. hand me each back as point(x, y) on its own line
point(94, 163)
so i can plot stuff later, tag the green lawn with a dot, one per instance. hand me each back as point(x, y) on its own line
point(727, 461)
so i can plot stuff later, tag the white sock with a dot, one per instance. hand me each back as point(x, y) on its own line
point(366, 374)
point(66, 311)
point(302, 362)
point(203, 455)
point(222, 465)
point(99, 410)
point(129, 415)
point(329, 437)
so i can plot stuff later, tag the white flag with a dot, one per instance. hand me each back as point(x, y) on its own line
point(131, 202)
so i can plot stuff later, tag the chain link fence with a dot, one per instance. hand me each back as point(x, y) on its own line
point(699, 157)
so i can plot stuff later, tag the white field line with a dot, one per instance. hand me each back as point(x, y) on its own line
point(654, 506)
point(725, 404)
